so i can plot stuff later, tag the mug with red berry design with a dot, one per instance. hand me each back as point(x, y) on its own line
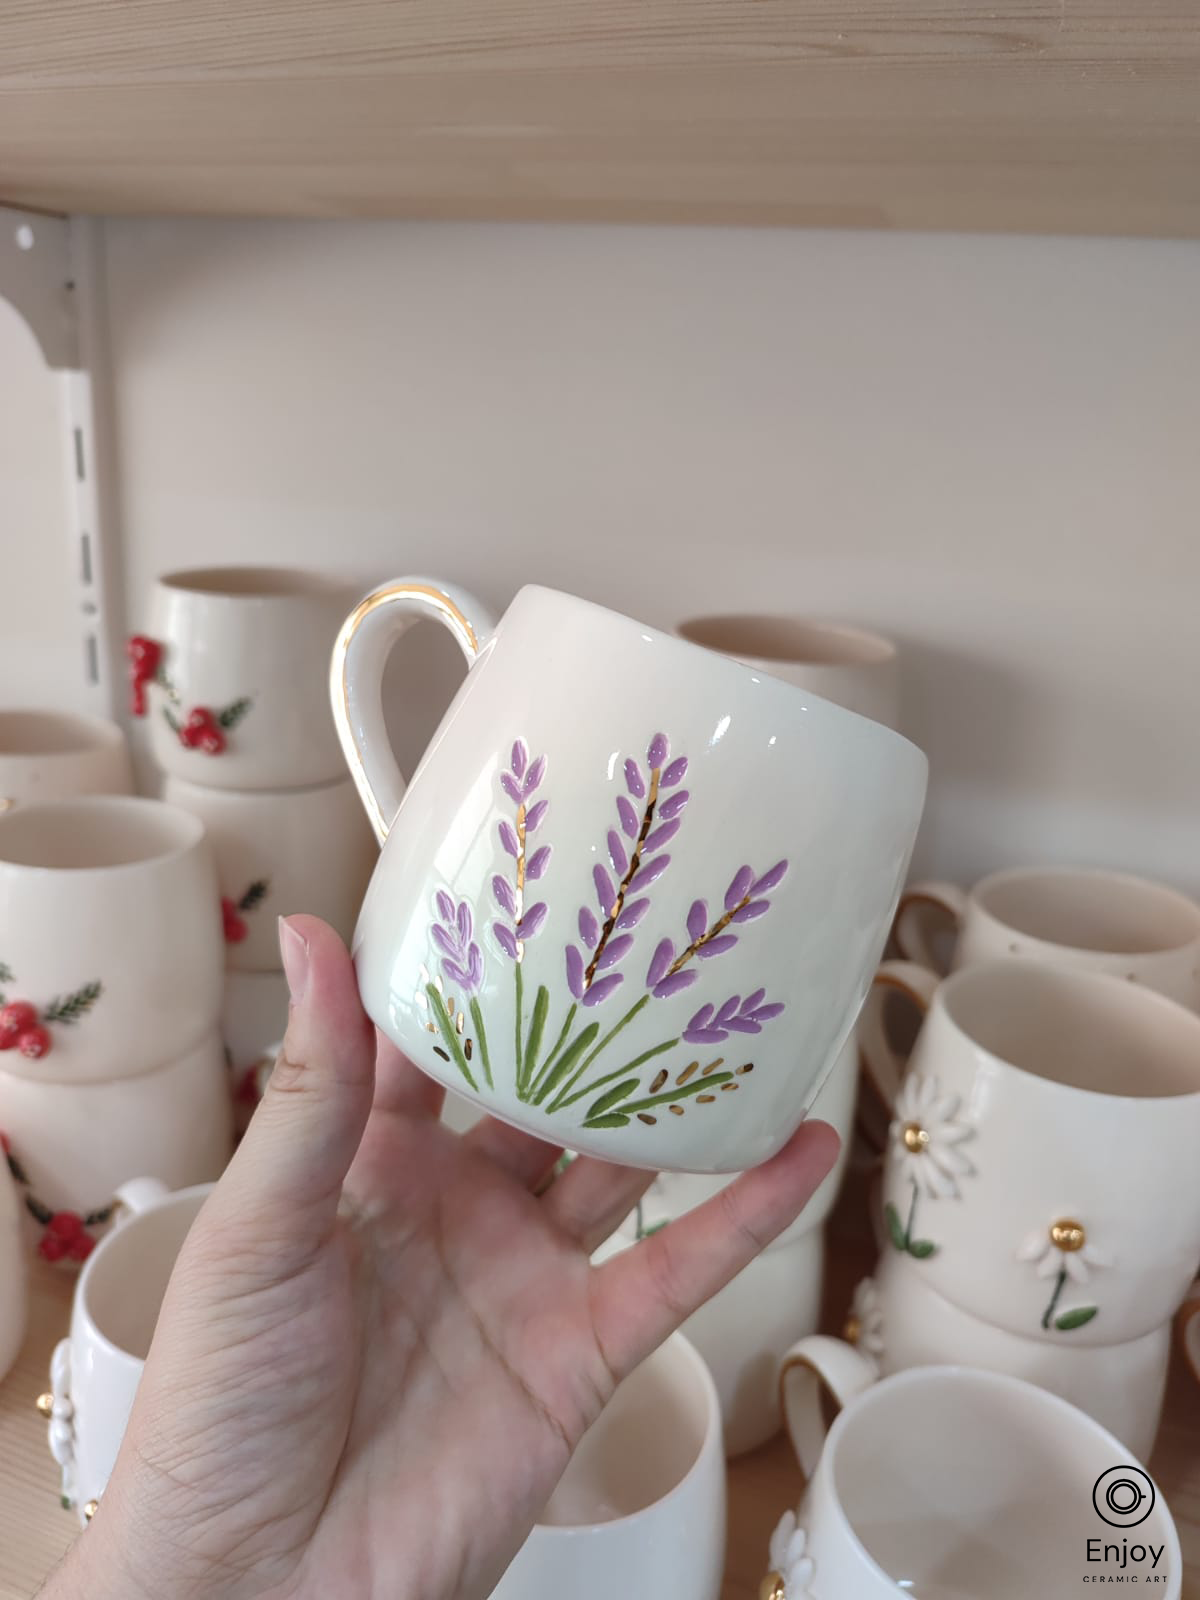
point(280, 851)
point(55, 755)
point(13, 1292)
point(631, 898)
point(231, 676)
point(110, 938)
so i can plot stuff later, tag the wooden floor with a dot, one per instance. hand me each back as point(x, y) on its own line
point(35, 1530)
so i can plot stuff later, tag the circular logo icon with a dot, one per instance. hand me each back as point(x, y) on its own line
point(1123, 1497)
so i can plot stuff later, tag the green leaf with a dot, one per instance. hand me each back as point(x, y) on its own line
point(609, 1099)
point(670, 1096)
point(612, 1120)
point(895, 1227)
point(67, 1009)
point(655, 1227)
point(921, 1248)
point(255, 894)
point(565, 1062)
point(481, 1034)
point(537, 1027)
point(1076, 1318)
point(437, 1005)
point(6, 973)
point(229, 716)
point(171, 720)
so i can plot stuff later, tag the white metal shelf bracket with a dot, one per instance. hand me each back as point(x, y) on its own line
point(50, 270)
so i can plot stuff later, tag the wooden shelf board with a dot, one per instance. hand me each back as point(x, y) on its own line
point(1047, 115)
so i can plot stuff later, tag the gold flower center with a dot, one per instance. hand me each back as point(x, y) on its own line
point(1067, 1235)
point(916, 1138)
point(772, 1587)
point(852, 1332)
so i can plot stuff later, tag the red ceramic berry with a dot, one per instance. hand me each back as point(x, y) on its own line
point(144, 654)
point(51, 1247)
point(5, 1145)
point(81, 1248)
point(200, 719)
point(235, 925)
point(212, 741)
point(35, 1042)
point(16, 1018)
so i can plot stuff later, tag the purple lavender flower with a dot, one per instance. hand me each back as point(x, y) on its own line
point(648, 818)
point(668, 971)
point(713, 1026)
point(520, 783)
point(453, 934)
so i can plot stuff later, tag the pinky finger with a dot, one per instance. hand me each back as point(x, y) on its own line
point(644, 1294)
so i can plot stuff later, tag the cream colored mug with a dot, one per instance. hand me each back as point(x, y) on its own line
point(110, 938)
point(631, 897)
point(947, 1483)
point(640, 1511)
point(95, 1371)
point(1041, 1168)
point(14, 1298)
point(56, 755)
point(896, 1321)
point(848, 665)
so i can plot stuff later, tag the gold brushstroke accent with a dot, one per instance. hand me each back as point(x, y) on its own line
point(431, 1027)
point(644, 1116)
point(439, 605)
point(460, 1023)
point(772, 1587)
point(746, 1067)
point(676, 1111)
point(659, 1079)
point(438, 1051)
point(688, 1071)
point(712, 1066)
point(635, 862)
point(728, 1088)
point(1068, 1235)
point(90, 1510)
point(467, 1048)
point(852, 1332)
point(915, 1137)
point(705, 1099)
point(45, 1404)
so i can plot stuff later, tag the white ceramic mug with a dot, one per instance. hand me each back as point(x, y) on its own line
point(232, 676)
point(279, 851)
point(631, 896)
point(947, 1483)
point(896, 1321)
point(75, 1144)
point(640, 1510)
point(110, 938)
point(95, 1372)
point(1188, 1323)
point(55, 755)
point(1041, 1167)
point(14, 1295)
point(850, 666)
point(1079, 917)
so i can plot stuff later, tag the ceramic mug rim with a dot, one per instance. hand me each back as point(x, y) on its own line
point(877, 650)
point(849, 1415)
point(93, 1329)
point(1016, 970)
point(190, 832)
point(791, 696)
point(88, 734)
point(1148, 888)
point(251, 584)
point(712, 1436)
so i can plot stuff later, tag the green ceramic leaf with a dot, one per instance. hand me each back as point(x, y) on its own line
point(1076, 1318)
point(894, 1226)
point(921, 1248)
point(613, 1119)
point(606, 1101)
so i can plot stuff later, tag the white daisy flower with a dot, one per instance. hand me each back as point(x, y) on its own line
point(864, 1323)
point(926, 1133)
point(1063, 1247)
point(791, 1569)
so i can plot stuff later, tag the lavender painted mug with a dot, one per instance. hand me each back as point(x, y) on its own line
point(633, 897)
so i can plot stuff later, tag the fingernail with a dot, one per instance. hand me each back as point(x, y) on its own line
point(293, 952)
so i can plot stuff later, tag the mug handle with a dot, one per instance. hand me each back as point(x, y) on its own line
point(356, 677)
point(909, 931)
point(814, 1366)
point(1187, 1322)
point(139, 1194)
point(882, 1065)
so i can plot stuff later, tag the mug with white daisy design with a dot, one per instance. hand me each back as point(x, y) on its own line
point(633, 897)
point(1041, 1169)
point(943, 1483)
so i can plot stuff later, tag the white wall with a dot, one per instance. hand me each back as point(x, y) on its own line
point(989, 447)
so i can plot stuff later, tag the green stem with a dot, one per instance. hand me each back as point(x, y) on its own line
point(1058, 1289)
point(530, 1088)
point(518, 1053)
point(477, 1019)
point(572, 1054)
point(605, 1042)
point(537, 1027)
point(446, 1029)
point(697, 1086)
point(912, 1216)
point(560, 1103)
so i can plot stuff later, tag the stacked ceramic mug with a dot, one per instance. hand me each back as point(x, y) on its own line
point(1041, 1194)
point(233, 676)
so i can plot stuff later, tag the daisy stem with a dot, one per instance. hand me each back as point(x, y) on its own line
point(1058, 1289)
point(912, 1216)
